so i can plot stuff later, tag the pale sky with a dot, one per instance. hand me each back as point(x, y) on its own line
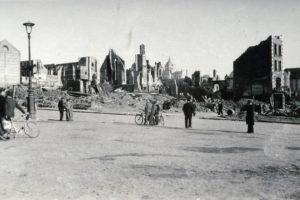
point(197, 34)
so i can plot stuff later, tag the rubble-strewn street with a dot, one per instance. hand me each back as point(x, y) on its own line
point(101, 156)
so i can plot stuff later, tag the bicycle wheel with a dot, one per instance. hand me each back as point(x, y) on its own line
point(139, 119)
point(161, 121)
point(31, 129)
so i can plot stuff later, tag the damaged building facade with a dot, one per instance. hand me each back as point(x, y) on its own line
point(79, 76)
point(113, 70)
point(142, 75)
point(259, 70)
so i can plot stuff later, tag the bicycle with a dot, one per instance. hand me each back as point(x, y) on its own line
point(140, 119)
point(25, 125)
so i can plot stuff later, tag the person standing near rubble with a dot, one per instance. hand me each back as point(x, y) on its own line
point(68, 108)
point(71, 110)
point(220, 108)
point(148, 107)
point(61, 108)
point(188, 110)
point(153, 113)
point(250, 117)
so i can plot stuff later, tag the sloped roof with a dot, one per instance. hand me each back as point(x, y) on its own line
point(5, 42)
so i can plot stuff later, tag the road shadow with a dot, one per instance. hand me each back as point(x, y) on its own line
point(293, 148)
point(221, 150)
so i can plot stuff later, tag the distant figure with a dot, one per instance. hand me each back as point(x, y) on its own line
point(188, 110)
point(68, 108)
point(156, 115)
point(250, 117)
point(71, 110)
point(61, 108)
point(148, 107)
point(153, 113)
point(220, 108)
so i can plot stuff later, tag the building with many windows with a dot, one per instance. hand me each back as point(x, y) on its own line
point(259, 70)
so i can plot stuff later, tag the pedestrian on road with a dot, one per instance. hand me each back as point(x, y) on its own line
point(71, 110)
point(68, 108)
point(2, 110)
point(250, 117)
point(220, 108)
point(148, 107)
point(188, 110)
point(153, 112)
point(61, 108)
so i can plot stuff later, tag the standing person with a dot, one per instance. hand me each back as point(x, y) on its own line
point(71, 110)
point(157, 114)
point(152, 113)
point(61, 108)
point(2, 110)
point(147, 111)
point(68, 107)
point(9, 109)
point(188, 110)
point(250, 117)
point(220, 108)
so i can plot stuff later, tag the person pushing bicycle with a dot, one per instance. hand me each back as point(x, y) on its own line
point(7, 112)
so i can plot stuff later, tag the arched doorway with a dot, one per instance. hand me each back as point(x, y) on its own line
point(278, 83)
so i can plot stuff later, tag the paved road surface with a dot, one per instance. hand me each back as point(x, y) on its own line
point(109, 157)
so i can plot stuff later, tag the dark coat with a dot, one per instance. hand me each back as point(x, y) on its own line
point(10, 105)
point(188, 108)
point(2, 106)
point(61, 105)
point(250, 114)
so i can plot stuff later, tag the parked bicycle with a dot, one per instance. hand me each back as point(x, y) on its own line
point(140, 119)
point(23, 125)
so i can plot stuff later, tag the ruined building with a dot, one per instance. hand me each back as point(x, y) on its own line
point(143, 76)
point(113, 70)
point(79, 76)
point(294, 81)
point(259, 70)
point(169, 67)
point(9, 64)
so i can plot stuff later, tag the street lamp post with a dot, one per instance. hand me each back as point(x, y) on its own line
point(30, 99)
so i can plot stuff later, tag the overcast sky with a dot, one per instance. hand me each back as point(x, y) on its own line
point(196, 34)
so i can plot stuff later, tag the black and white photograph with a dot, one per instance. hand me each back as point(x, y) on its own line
point(149, 100)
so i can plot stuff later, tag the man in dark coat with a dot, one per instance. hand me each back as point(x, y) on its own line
point(61, 108)
point(250, 117)
point(220, 108)
point(9, 108)
point(189, 111)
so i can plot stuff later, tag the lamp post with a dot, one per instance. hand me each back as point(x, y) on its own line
point(30, 99)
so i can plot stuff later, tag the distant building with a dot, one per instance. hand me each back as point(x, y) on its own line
point(169, 67)
point(142, 75)
point(9, 64)
point(39, 75)
point(259, 70)
point(113, 69)
point(54, 76)
point(196, 78)
point(294, 81)
point(79, 76)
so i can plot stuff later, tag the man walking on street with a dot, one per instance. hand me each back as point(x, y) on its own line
point(189, 111)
